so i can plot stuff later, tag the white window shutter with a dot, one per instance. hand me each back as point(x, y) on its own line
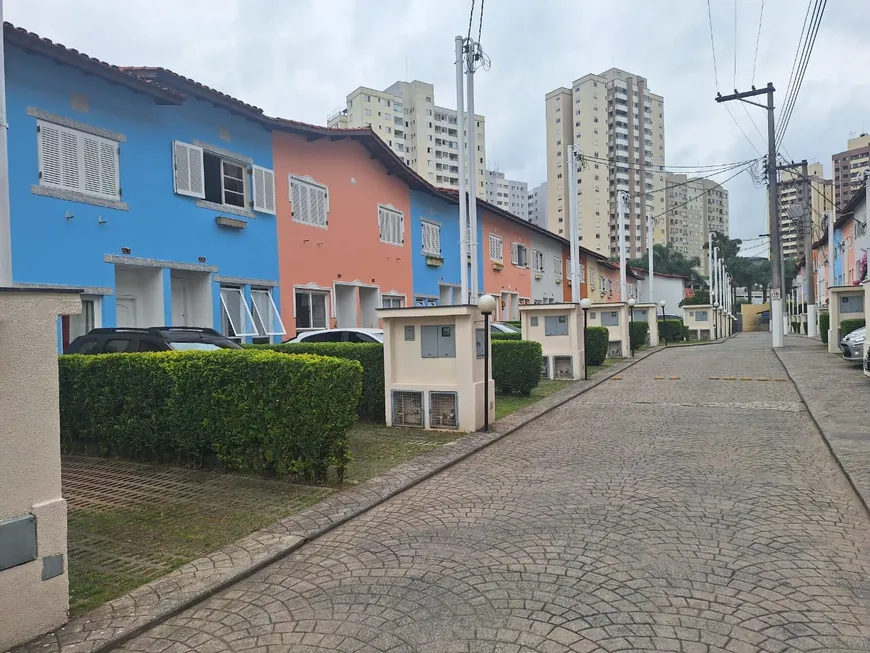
point(70, 151)
point(189, 173)
point(91, 157)
point(50, 168)
point(263, 189)
point(515, 253)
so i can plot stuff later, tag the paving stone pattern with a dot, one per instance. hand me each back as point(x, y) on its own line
point(637, 517)
point(837, 394)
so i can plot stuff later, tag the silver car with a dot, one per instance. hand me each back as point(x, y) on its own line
point(852, 345)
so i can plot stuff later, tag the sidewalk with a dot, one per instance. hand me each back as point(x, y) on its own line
point(836, 394)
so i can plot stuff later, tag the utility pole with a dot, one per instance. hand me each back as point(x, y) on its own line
point(714, 291)
point(621, 201)
point(649, 254)
point(5, 219)
point(470, 58)
point(464, 245)
point(776, 285)
point(573, 227)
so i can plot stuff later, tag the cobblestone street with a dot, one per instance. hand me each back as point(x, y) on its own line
point(688, 504)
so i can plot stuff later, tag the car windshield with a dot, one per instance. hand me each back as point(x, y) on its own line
point(194, 346)
point(378, 336)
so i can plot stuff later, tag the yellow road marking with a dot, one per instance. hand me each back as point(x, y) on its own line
point(617, 378)
point(713, 378)
point(745, 378)
point(659, 378)
point(780, 379)
point(729, 378)
point(763, 379)
point(675, 378)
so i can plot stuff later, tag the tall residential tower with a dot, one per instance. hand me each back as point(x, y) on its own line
point(618, 125)
point(695, 207)
point(425, 135)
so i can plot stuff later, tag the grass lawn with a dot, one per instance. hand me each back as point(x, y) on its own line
point(130, 523)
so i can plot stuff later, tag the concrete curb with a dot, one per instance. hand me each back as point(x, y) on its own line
point(825, 439)
point(117, 622)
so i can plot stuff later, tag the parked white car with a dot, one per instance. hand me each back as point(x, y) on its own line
point(350, 334)
point(852, 345)
point(501, 327)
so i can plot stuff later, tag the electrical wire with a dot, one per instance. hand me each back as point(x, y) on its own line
point(748, 140)
point(470, 19)
point(713, 46)
point(757, 40)
point(480, 26)
point(690, 200)
point(666, 169)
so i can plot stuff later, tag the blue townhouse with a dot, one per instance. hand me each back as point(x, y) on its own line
point(150, 191)
point(435, 240)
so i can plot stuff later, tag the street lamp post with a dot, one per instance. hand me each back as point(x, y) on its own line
point(585, 303)
point(715, 320)
point(662, 331)
point(487, 305)
point(631, 303)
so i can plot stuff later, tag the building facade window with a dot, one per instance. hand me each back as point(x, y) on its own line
point(431, 238)
point(311, 309)
point(391, 225)
point(74, 160)
point(309, 202)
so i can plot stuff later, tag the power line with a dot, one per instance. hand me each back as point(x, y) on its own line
point(692, 199)
point(470, 19)
point(748, 140)
point(712, 45)
point(665, 169)
point(757, 39)
point(480, 26)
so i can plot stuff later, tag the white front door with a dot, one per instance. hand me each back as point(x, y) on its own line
point(125, 309)
point(180, 311)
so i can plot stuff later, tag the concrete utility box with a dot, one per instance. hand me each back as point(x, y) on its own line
point(34, 588)
point(648, 313)
point(699, 319)
point(434, 368)
point(559, 329)
point(614, 316)
point(846, 303)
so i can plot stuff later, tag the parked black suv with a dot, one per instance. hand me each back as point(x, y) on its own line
point(131, 339)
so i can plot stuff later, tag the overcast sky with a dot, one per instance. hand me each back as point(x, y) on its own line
point(300, 58)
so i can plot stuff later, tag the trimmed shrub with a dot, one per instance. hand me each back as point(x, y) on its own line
point(516, 365)
point(671, 330)
point(369, 354)
point(500, 335)
point(254, 411)
point(514, 323)
point(824, 325)
point(848, 326)
point(597, 341)
point(639, 331)
point(684, 333)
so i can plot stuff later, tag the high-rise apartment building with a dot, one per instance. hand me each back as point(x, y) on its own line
point(511, 195)
point(425, 135)
point(695, 208)
point(792, 188)
point(538, 205)
point(849, 167)
point(619, 127)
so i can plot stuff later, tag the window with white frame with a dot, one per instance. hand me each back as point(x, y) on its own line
point(237, 321)
point(391, 225)
point(557, 267)
point(77, 161)
point(392, 301)
point(537, 260)
point(581, 273)
point(431, 238)
point(496, 249)
point(519, 255)
point(267, 320)
point(220, 179)
point(311, 309)
point(73, 326)
point(309, 202)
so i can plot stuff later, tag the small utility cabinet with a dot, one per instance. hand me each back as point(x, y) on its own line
point(698, 319)
point(846, 303)
point(559, 329)
point(434, 368)
point(614, 316)
point(648, 313)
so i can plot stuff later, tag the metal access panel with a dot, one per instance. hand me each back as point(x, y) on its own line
point(563, 367)
point(853, 304)
point(556, 325)
point(408, 408)
point(640, 315)
point(609, 318)
point(438, 341)
point(17, 541)
point(442, 410)
point(702, 316)
point(545, 367)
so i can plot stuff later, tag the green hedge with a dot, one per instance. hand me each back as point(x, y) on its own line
point(671, 330)
point(639, 330)
point(369, 354)
point(597, 342)
point(848, 326)
point(254, 411)
point(824, 325)
point(516, 365)
point(501, 335)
